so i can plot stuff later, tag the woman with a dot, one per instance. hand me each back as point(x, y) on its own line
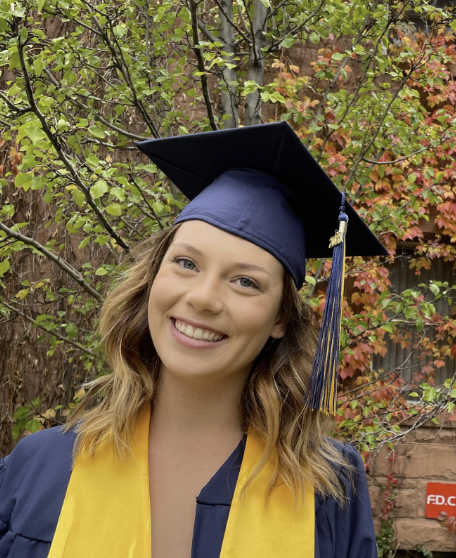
point(200, 445)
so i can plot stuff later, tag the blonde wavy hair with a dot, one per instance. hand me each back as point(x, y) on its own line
point(272, 401)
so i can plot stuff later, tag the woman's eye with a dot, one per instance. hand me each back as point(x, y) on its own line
point(247, 283)
point(186, 263)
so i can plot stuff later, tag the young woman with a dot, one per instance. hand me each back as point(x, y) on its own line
point(201, 445)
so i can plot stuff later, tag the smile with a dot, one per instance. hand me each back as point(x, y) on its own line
point(194, 335)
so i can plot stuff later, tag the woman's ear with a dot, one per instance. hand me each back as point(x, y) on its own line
point(279, 329)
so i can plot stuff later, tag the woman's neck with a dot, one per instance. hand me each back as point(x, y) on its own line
point(189, 412)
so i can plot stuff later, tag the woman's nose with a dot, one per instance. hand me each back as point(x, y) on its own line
point(205, 296)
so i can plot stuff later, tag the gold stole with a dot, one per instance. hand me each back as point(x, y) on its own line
point(106, 511)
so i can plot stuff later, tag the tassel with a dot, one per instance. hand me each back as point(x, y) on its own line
point(321, 391)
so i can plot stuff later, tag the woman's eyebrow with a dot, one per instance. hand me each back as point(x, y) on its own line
point(240, 265)
point(250, 267)
point(188, 247)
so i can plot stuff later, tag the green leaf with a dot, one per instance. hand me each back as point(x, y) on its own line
point(24, 181)
point(314, 38)
point(38, 66)
point(101, 271)
point(36, 402)
point(337, 56)
point(97, 132)
point(4, 266)
point(388, 327)
point(33, 426)
point(81, 246)
point(114, 209)
point(35, 133)
point(71, 330)
point(78, 197)
point(24, 34)
point(99, 189)
point(310, 279)
point(158, 207)
point(287, 42)
point(119, 31)
point(119, 193)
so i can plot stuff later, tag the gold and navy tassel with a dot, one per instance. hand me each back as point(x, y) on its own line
point(321, 391)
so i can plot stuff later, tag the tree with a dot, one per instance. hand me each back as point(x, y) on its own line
point(371, 98)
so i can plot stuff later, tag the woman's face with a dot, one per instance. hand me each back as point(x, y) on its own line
point(214, 303)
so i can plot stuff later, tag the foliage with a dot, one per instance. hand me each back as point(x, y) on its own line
point(82, 81)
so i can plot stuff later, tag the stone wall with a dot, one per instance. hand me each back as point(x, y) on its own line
point(426, 455)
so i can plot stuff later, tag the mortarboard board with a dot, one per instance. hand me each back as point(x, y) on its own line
point(262, 184)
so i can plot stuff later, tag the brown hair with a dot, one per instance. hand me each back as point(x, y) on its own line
point(272, 401)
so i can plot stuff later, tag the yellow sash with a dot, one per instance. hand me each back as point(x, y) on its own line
point(106, 511)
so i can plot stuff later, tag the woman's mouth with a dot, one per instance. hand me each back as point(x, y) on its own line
point(194, 336)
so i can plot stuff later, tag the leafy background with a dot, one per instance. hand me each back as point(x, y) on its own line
point(367, 86)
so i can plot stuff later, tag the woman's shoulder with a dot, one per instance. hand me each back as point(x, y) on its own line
point(351, 456)
point(48, 445)
point(33, 482)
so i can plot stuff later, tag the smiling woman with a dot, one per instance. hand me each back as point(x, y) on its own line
point(201, 442)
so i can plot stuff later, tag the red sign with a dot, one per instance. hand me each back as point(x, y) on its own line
point(440, 497)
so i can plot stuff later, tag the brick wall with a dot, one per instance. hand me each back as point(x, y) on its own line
point(427, 455)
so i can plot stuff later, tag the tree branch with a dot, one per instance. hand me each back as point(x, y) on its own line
point(400, 158)
point(199, 57)
point(205, 31)
point(55, 143)
point(297, 28)
point(73, 273)
point(78, 104)
point(54, 333)
point(231, 22)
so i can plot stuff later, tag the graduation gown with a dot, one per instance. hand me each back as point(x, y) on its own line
point(34, 479)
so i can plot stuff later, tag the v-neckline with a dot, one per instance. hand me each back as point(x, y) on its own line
point(220, 488)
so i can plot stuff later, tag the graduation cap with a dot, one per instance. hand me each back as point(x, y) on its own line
point(262, 184)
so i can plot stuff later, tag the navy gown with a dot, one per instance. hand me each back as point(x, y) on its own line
point(34, 478)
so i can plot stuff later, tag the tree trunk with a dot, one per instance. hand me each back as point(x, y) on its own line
point(229, 88)
point(256, 63)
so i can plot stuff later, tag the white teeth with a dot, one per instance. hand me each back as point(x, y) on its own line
point(197, 333)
